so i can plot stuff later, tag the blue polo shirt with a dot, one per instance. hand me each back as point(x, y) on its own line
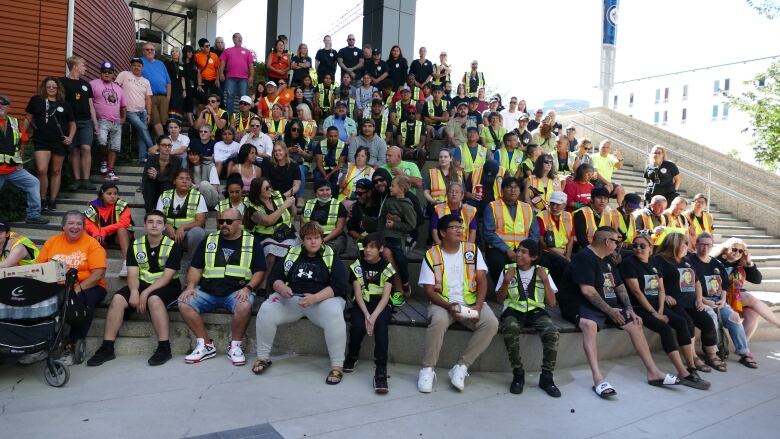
point(157, 74)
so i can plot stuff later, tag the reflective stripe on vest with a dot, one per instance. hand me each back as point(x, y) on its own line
point(353, 175)
point(400, 107)
point(561, 234)
point(704, 226)
point(10, 154)
point(545, 191)
point(336, 156)
point(535, 297)
point(17, 240)
point(435, 261)
point(628, 230)
point(213, 122)
point(431, 107)
point(680, 222)
point(467, 213)
point(658, 239)
point(92, 214)
point(512, 164)
point(371, 289)
point(648, 219)
point(333, 214)
point(273, 128)
point(438, 185)
point(590, 221)
point(295, 252)
point(467, 83)
point(225, 204)
point(476, 178)
point(321, 89)
point(192, 201)
point(276, 201)
point(244, 268)
point(511, 231)
point(467, 162)
point(142, 259)
point(417, 132)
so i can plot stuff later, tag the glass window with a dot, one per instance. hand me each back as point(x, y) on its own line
point(656, 117)
point(657, 95)
point(684, 115)
point(666, 94)
point(685, 92)
point(716, 86)
point(714, 112)
point(726, 83)
point(725, 111)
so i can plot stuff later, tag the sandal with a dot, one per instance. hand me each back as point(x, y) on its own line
point(716, 363)
point(748, 361)
point(260, 366)
point(667, 380)
point(701, 366)
point(604, 390)
point(334, 377)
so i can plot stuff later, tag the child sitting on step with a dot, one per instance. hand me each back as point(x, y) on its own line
point(109, 220)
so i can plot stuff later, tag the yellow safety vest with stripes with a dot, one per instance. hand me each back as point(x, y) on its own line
point(333, 214)
point(225, 204)
point(704, 226)
point(322, 92)
point(467, 212)
point(528, 300)
point(515, 230)
point(400, 107)
point(9, 154)
point(490, 142)
point(277, 200)
point(417, 132)
point(92, 214)
point(467, 83)
point(142, 259)
point(295, 252)
point(192, 201)
point(273, 127)
point(431, 107)
point(476, 178)
point(435, 261)
point(513, 164)
point(628, 230)
point(353, 175)
point(561, 229)
point(467, 162)
point(244, 268)
point(438, 185)
point(16, 240)
point(607, 219)
point(212, 122)
point(545, 191)
point(368, 289)
point(336, 156)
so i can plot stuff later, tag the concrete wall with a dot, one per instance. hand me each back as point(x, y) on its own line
point(742, 181)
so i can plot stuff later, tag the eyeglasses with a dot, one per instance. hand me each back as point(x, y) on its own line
point(165, 145)
point(639, 246)
point(148, 50)
point(737, 250)
point(539, 112)
point(226, 221)
point(255, 125)
point(548, 162)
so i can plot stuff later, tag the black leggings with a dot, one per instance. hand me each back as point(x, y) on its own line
point(703, 321)
point(674, 334)
point(357, 330)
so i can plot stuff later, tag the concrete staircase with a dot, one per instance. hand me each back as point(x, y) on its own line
point(407, 331)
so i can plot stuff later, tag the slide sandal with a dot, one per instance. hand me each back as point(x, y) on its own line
point(604, 390)
point(668, 380)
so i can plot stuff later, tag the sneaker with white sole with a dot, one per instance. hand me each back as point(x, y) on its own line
point(201, 352)
point(236, 356)
point(426, 380)
point(123, 271)
point(67, 357)
point(458, 375)
point(32, 358)
point(103, 167)
point(111, 176)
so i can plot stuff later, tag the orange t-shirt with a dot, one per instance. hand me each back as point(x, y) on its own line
point(85, 255)
point(208, 67)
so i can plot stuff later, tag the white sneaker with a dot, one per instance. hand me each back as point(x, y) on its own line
point(67, 357)
point(32, 358)
point(103, 167)
point(426, 380)
point(458, 375)
point(123, 271)
point(201, 353)
point(111, 176)
point(236, 356)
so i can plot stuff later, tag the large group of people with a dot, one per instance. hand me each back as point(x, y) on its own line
point(513, 199)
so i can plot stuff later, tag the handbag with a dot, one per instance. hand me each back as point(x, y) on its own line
point(76, 311)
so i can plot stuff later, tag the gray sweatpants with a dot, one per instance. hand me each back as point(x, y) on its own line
point(328, 315)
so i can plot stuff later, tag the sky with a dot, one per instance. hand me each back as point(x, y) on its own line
point(550, 49)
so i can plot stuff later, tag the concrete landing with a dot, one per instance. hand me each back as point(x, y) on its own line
point(125, 398)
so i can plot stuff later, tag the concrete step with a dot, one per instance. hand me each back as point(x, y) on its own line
point(725, 228)
point(769, 284)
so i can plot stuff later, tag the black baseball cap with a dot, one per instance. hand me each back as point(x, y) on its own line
point(4, 100)
point(4, 226)
point(136, 60)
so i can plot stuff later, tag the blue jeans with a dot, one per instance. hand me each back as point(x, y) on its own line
point(142, 137)
point(334, 180)
point(30, 185)
point(736, 331)
point(203, 302)
point(233, 89)
point(304, 171)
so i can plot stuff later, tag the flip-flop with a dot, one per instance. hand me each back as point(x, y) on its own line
point(604, 390)
point(668, 380)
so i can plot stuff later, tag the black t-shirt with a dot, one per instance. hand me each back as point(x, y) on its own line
point(556, 128)
point(713, 276)
point(327, 59)
point(532, 125)
point(319, 213)
point(281, 177)
point(309, 275)
point(421, 71)
point(377, 70)
point(299, 73)
point(372, 274)
point(588, 269)
point(350, 56)
point(410, 133)
point(359, 72)
point(661, 177)
point(646, 274)
point(207, 148)
point(360, 212)
point(78, 92)
point(228, 251)
point(50, 120)
point(679, 280)
point(475, 116)
point(151, 254)
point(456, 100)
point(399, 70)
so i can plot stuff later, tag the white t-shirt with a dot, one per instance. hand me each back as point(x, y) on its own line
point(262, 142)
point(525, 278)
point(223, 151)
point(178, 203)
point(510, 119)
point(453, 266)
point(181, 141)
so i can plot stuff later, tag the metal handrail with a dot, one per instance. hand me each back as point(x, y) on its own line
point(761, 189)
point(708, 183)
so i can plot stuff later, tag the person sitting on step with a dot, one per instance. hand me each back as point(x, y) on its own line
point(109, 220)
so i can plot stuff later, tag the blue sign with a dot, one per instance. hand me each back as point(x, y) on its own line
point(610, 22)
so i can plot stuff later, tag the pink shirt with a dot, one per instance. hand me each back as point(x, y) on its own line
point(136, 89)
point(108, 98)
point(237, 61)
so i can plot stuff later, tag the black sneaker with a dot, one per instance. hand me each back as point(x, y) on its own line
point(350, 364)
point(45, 205)
point(52, 205)
point(160, 356)
point(547, 384)
point(74, 185)
point(37, 220)
point(380, 383)
point(518, 381)
point(103, 354)
point(694, 380)
point(86, 184)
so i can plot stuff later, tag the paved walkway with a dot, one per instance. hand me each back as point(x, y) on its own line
point(127, 399)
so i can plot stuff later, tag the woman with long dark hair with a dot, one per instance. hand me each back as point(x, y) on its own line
point(190, 82)
point(278, 62)
point(398, 67)
point(542, 183)
point(53, 126)
point(297, 148)
point(578, 189)
point(246, 165)
point(268, 217)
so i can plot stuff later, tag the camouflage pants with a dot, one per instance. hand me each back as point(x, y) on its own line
point(512, 323)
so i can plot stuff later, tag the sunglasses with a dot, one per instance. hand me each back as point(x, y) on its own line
point(379, 180)
point(737, 250)
point(244, 103)
point(640, 246)
point(226, 221)
point(548, 162)
point(212, 101)
point(616, 241)
point(293, 130)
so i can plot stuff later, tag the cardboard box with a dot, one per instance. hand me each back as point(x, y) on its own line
point(52, 271)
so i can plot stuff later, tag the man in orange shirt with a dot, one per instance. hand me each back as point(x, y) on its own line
point(76, 249)
point(208, 68)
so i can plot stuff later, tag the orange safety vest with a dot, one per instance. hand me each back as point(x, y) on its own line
point(590, 221)
point(467, 212)
point(435, 261)
point(545, 192)
point(438, 185)
point(680, 222)
point(561, 234)
point(476, 178)
point(512, 230)
point(647, 219)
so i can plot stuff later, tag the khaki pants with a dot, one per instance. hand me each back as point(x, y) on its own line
point(484, 330)
point(159, 110)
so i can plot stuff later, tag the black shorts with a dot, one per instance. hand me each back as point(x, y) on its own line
point(169, 295)
point(85, 132)
point(57, 149)
point(615, 186)
point(574, 314)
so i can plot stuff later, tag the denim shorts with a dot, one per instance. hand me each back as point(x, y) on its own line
point(84, 134)
point(204, 302)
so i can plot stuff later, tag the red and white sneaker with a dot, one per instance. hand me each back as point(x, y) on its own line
point(236, 355)
point(201, 352)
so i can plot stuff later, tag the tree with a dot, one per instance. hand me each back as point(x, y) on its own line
point(768, 8)
point(762, 103)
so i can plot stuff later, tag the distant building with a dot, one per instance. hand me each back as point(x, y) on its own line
point(692, 103)
point(561, 105)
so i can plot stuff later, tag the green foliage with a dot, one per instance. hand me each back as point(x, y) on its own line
point(261, 75)
point(762, 104)
point(768, 8)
